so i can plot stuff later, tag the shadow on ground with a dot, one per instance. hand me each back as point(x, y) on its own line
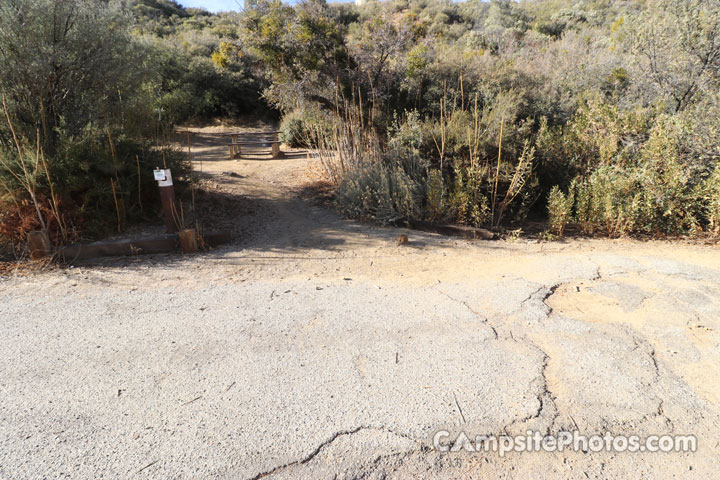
point(301, 225)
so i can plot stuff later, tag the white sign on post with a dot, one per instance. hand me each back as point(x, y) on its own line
point(167, 180)
point(159, 175)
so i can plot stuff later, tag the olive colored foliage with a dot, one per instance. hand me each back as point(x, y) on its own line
point(79, 131)
point(603, 112)
point(600, 116)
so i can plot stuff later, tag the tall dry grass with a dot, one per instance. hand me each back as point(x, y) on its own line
point(25, 167)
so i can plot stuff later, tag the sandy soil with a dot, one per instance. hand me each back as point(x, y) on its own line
point(315, 347)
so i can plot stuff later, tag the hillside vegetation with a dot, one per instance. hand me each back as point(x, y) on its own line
point(599, 115)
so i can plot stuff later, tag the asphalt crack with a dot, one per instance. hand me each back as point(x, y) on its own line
point(483, 318)
point(327, 443)
point(545, 399)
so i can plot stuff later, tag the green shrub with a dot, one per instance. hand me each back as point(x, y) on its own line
point(649, 198)
point(435, 196)
point(710, 192)
point(88, 188)
point(384, 193)
point(559, 210)
point(608, 201)
point(80, 99)
point(405, 136)
point(303, 127)
point(468, 202)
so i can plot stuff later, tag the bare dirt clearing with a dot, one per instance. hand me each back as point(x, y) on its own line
point(316, 347)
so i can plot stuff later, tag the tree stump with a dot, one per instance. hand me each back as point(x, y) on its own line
point(39, 244)
point(188, 240)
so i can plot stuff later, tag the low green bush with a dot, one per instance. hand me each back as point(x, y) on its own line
point(92, 185)
point(656, 199)
point(559, 210)
point(469, 203)
point(302, 128)
point(380, 192)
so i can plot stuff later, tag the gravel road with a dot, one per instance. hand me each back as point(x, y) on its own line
point(315, 347)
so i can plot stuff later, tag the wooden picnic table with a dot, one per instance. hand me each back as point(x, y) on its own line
point(254, 139)
point(236, 135)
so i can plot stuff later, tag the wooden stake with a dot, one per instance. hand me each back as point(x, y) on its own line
point(117, 206)
point(39, 243)
point(188, 240)
point(167, 197)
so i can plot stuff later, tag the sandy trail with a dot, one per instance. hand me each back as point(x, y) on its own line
point(314, 347)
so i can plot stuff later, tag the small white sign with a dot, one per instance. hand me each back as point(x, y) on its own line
point(167, 181)
point(159, 175)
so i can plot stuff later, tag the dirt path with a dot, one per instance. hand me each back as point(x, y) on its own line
point(315, 347)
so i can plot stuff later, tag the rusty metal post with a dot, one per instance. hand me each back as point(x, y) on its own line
point(167, 196)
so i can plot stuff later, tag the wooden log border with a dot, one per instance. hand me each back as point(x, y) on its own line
point(140, 246)
point(471, 233)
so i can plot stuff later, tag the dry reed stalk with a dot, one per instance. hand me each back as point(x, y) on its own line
point(117, 205)
point(137, 161)
point(475, 143)
point(113, 153)
point(519, 179)
point(497, 172)
point(462, 94)
point(443, 127)
point(28, 182)
point(53, 198)
point(351, 141)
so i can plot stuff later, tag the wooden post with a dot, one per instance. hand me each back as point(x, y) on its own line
point(235, 150)
point(167, 196)
point(275, 150)
point(39, 244)
point(188, 240)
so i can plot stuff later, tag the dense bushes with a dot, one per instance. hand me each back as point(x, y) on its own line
point(397, 178)
point(93, 185)
point(586, 109)
point(93, 90)
point(661, 188)
point(79, 134)
point(302, 127)
point(618, 202)
point(601, 114)
point(380, 191)
point(203, 70)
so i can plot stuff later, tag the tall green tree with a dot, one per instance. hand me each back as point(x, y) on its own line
point(302, 48)
point(67, 64)
point(676, 45)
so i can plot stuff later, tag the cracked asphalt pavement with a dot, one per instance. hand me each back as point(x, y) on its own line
point(316, 347)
